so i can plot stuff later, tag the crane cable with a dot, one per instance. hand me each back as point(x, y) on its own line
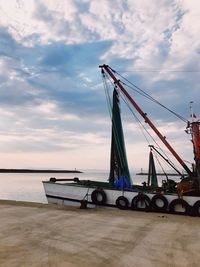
point(161, 166)
point(141, 126)
point(143, 93)
point(143, 130)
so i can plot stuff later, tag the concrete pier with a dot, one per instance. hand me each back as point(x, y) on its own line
point(39, 235)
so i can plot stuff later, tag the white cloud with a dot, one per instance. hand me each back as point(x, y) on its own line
point(150, 34)
point(50, 110)
point(17, 16)
point(184, 41)
point(39, 20)
point(155, 34)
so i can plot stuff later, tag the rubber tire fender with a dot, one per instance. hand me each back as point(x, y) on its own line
point(95, 198)
point(182, 202)
point(141, 198)
point(196, 208)
point(121, 200)
point(155, 207)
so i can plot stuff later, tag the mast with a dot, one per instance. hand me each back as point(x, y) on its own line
point(152, 175)
point(109, 71)
point(194, 129)
point(118, 159)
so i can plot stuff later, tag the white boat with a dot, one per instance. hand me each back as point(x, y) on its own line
point(119, 192)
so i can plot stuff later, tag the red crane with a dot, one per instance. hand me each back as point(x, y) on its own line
point(109, 71)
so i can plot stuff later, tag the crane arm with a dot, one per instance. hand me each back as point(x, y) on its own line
point(109, 71)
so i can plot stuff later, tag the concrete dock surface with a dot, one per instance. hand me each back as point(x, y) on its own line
point(39, 235)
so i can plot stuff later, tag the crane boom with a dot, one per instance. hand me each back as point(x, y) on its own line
point(109, 71)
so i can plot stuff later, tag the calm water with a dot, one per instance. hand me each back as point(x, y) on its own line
point(29, 187)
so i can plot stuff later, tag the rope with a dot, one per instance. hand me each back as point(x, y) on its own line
point(143, 130)
point(161, 166)
point(143, 93)
point(141, 126)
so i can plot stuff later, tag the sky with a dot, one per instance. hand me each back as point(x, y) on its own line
point(52, 101)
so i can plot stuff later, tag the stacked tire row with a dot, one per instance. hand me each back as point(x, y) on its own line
point(142, 202)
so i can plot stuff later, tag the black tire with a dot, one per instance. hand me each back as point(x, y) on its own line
point(122, 203)
point(98, 197)
point(141, 202)
point(183, 203)
point(154, 203)
point(196, 208)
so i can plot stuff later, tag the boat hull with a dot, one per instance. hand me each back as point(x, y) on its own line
point(73, 194)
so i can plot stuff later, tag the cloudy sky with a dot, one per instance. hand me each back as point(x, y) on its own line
point(53, 107)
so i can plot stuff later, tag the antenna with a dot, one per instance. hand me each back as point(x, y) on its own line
point(192, 114)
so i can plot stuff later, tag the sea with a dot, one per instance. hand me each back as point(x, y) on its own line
point(29, 187)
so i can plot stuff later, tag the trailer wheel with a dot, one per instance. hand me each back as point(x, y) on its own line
point(159, 203)
point(196, 208)
point(141, 202)
point(98, 197)
point(122, 203)
point(179, 206)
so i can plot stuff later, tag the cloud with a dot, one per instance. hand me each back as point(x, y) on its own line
point(151, 39)
point(51, 92)
point(70, 59)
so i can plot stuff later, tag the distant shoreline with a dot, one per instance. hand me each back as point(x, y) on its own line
point(37, 171)
point(160, 174)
